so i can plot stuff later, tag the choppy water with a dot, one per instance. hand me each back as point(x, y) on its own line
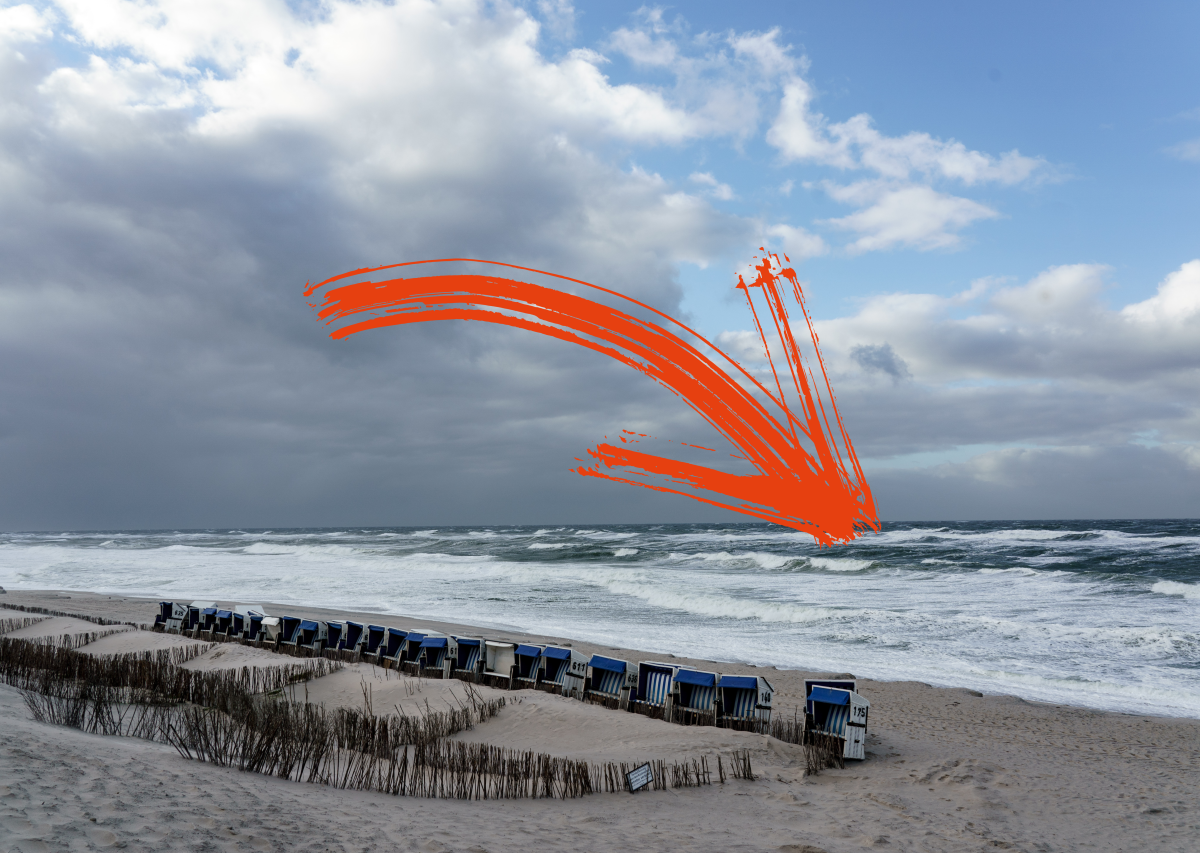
point(1102, 614)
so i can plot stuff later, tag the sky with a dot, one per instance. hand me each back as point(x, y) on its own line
point(994, 211)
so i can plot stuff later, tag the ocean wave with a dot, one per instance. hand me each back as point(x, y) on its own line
point(726, 607)
point(839, 564)
point(625, 552)
point(1186, 590)
point(547, 546)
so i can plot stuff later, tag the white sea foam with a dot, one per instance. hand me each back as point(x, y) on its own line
point(1186, 590)
point(547, 546)
point(836, 564)
point(625, 552)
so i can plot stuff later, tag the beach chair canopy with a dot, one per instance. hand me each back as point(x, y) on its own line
point(255, 626)
point(608, 664)
point(412, 644)
point(837, 684)
point(309, 630)
point(556, 654)
point(829, 697)
point(249, 609)
point(433, 650)
point(224, 619)
point(654, 683)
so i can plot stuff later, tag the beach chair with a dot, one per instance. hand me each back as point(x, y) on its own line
point(392, 649)
point(500, 662)
point(195, 611)
point(467, 662)
point(222, 625)
point(334, 631)
point(171, 617)
point(529, 665)
point(270, 632)
point(253, 627)
point(289, 634)
point(564, 671)
point(837, 714)
point(435, 654)
point(310, 639)
point(352, 638)
point(695, 698)
point(371, 642)
point(652, 697)
point(243, 621)
point(745, 702)
point(610, 682)
point(208, 620)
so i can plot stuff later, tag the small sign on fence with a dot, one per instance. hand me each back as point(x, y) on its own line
point(639, 778)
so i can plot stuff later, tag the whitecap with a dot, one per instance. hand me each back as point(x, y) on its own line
point(1186, 590)
point(625, 552)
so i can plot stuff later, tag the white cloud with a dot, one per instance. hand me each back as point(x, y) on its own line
point(803, 135)
point(23, 23)
point(1188, 151)
point(717, 189)
point(914, 216)
point(797, 243)
point(1176, 304)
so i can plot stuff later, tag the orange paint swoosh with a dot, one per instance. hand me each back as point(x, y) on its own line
point(808, 476)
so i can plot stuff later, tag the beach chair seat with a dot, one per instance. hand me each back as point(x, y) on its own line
point(244, 627)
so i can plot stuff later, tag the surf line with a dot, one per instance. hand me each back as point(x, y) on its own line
point(808, 476)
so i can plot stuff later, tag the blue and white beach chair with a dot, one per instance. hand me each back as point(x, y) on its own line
point(243, 621)
point(352, 638)
point(270, 632)
point(171, 616)
point(371, 643)
point(208, 621)
point(564, 671)
point(334, 632)
point(745, 702)
point(529, 665)
point(435, 654)
point(653, 694)
point(195, 612)
point(222, 624)
point(467, 664)
point(610, 682)
point(392, 652)
point(289, 634)
point(695, 697)
point(841, 714)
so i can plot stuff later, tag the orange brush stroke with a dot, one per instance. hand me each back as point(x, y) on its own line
point(819, 489)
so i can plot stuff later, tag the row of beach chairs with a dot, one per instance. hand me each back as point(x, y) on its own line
point(666, 691)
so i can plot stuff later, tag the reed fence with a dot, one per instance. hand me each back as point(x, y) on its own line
point(243, 718)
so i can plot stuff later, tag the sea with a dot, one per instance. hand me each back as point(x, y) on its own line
point(1102, 614)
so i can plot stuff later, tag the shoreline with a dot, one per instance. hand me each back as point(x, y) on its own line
point(946, 769)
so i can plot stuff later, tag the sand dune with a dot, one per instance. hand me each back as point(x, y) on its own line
point(947, 770)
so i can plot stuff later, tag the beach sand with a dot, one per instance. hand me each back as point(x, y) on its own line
point(947, 770)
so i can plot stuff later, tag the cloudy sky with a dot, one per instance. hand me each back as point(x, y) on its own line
point(996, 212)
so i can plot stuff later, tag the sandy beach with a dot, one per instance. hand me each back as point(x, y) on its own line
point(946, 770)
